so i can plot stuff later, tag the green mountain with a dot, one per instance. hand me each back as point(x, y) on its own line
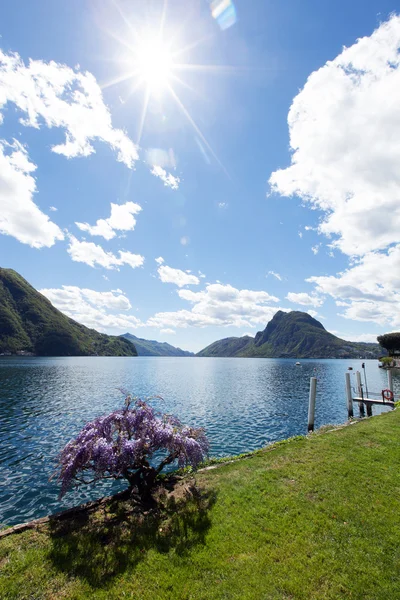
point(153, 348)
point(30, 323)
point(292, 335)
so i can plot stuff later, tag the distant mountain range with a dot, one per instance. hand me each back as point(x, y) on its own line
point(153, 348)
point(29, 323)
point(292, 335)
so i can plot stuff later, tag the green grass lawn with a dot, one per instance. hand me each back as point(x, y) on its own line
point(316, 517)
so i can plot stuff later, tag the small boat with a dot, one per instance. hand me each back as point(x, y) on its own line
point(298, 364)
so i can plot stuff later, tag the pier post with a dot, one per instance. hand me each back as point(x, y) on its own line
point(311, 403)
point(360, 394)
point(349, 396)
point(390, 379)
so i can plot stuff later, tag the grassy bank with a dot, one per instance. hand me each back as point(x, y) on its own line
point(317, 517)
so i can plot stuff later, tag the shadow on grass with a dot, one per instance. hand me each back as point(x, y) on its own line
point(97, 547)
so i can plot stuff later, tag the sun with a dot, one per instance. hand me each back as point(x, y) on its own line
point(154, 63)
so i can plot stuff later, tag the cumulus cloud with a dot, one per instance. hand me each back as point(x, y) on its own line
point(344, 130)
point(176, 276)
point(121, 219)
point(92, 255)
point(58, 96)
point(159, 260)
point(168, 179)
point(369, 290)
point(20, 217)
point(357, 337)
point(305, 299)
point(219, 305)
point(92, 308)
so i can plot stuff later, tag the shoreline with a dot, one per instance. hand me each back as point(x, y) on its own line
point(209, 465)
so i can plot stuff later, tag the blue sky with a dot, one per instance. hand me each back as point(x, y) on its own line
point(263, 176)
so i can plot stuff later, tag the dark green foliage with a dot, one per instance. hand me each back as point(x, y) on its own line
point(292, 335)
point(233, 346)
point(387, 361)
point(154, 348)
point(30, 323)
point(391, 342)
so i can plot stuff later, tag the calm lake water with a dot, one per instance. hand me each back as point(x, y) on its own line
point(244, 404)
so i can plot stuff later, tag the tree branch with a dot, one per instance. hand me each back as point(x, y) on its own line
point(167, 461)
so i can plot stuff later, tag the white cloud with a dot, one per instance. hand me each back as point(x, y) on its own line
point(222, 205)
point(91, 308)
point(315, 249)
point(121, 219)
point(185, 241)
point(300, 233)
point(369, 290)
point(176, 276)
point(345, 137)
point(20, 217)
point(168, 331)
point(276, 275)
point(305, 299)
point(159, 260)
point(58, 96)
point(219, 305)
point(168, 179)
point(312, 313)
point(53, 208)
point(357, 337)
point(92, 255)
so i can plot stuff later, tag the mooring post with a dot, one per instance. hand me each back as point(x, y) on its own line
point(311, 403)
point(349, 396)
point(360, 394)
point(390, 379)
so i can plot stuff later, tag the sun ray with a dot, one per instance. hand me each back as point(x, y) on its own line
point(119, 39)
point(163, 18)
point(186, 85)
point(196, 128)
point(192, 45)
point(124, 18)
point(230, 69)
point(119, 79)
point(143, 115)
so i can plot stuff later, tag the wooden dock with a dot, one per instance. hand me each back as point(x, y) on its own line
point(375, 401)
point(369, 402)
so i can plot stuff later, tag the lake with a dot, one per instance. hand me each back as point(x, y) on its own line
point(243, 404)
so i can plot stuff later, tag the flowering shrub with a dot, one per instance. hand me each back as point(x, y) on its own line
point(121, 445)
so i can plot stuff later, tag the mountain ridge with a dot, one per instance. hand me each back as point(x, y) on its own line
point(293, 334)
point(30, 324)
point(154, 348)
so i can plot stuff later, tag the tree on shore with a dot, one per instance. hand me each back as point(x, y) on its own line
point(135, 444)
point(391, 342)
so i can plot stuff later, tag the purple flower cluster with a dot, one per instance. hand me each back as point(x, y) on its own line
point(122, 444)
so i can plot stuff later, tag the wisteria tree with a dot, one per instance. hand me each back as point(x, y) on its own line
point(134, 443)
